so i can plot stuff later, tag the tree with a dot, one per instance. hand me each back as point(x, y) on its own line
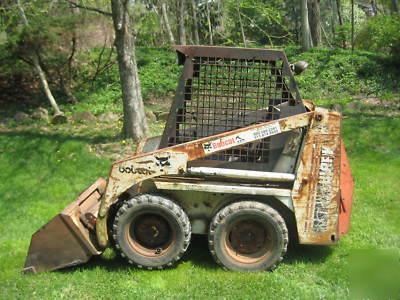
point(181, 21)
point(315, 22)
point(135, 125)
point(195, 23)
point(38, 67)
point(65, 81)
point(241, 25)
point(166, 22)
point(395, 7)
point(305, 27)
point(210, 32)
point(340, 18)
point(339, 11)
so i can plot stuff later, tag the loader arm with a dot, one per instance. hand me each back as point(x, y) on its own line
point(173, 160)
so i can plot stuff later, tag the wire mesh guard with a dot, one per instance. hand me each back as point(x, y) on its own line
point(224, 94)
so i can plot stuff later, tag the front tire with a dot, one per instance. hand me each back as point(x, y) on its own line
point(151, 231)
point(248, 236)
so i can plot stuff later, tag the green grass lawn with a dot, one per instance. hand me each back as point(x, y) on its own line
point(41, 171)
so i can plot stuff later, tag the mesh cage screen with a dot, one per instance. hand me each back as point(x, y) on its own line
point(224, 94)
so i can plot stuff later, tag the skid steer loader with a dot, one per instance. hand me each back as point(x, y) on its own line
point(243, 159)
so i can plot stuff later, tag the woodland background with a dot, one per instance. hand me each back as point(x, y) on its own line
point(63, 52)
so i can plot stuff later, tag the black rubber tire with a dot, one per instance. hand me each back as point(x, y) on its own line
point(147, 207)
point(248, 220)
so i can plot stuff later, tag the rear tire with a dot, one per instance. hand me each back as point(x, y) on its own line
point(248, 236)
point(151, 231)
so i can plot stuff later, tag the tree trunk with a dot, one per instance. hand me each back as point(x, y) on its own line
point(163, 28)
point(374, 8)
point(333, 23)
point(352, 25)
point(135, 125)
point(221, 18)
point(195, 23)
point(210, 33)
point(315, 22)
point(241, 25)
point(166, 22)
point(305, 28)
point(339, 12)
point(182, 29)
point(294, 16)
point(36, 63)
point(66, 88)
point(66, 78)
point(395, 7)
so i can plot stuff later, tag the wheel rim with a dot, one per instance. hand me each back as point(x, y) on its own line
point(248, 240)
point(150, 234)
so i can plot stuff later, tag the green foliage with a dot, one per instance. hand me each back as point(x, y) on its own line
point(264, 23)
point(338, 73)
point(158, 73)
point(98, 101)
point(343, 36)
point(146, 25)
point(332, 74)
point(381, 33)
point(276, 22)
point(45, 34)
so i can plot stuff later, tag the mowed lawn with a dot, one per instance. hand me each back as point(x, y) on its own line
point(42, 171)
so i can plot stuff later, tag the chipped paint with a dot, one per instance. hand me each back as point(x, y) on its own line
point(324, 190)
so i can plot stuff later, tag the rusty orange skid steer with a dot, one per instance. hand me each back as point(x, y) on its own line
point(243, 159)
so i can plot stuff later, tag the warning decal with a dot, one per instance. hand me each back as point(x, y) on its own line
point(244, 137)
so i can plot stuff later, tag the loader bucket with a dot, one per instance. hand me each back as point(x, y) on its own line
point(69, 238)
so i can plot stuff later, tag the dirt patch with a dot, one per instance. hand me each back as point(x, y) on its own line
point(374, 101)
point(160, 103)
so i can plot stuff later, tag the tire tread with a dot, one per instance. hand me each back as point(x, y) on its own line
point(160, 200)
point(225, 212)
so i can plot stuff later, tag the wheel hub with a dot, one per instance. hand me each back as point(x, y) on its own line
point(247, 237)
point(151, 231)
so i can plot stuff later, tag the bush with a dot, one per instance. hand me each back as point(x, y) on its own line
point(381, 34)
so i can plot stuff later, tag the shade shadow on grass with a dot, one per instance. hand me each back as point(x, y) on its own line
point(59, 137)
point(197, 253)
point(199, 256)
point(313, 254)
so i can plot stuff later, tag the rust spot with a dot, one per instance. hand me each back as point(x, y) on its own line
point(144, 162)
point(89, 220)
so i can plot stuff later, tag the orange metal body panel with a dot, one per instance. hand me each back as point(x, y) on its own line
point(346, 193)
point(316, 190)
